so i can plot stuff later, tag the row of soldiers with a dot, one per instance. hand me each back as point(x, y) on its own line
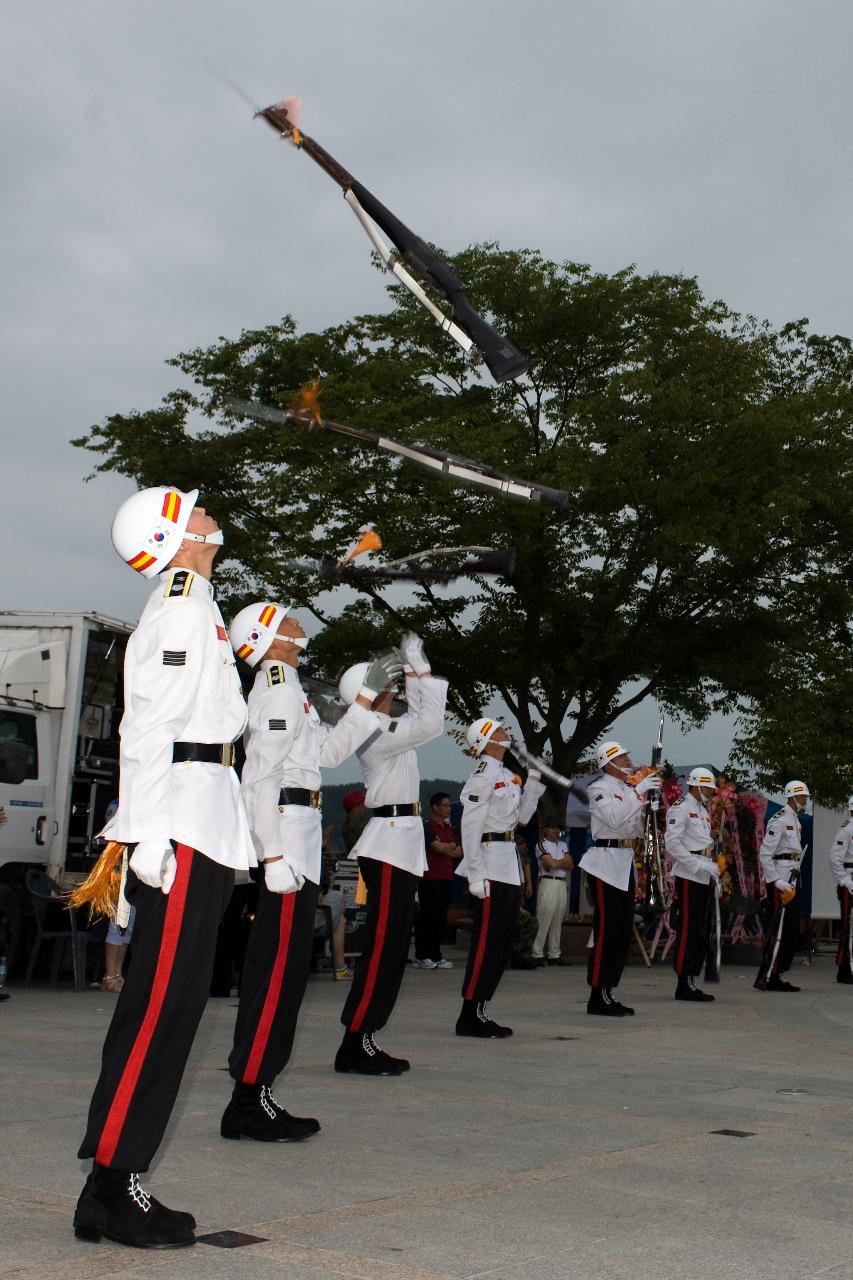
point(189, 824)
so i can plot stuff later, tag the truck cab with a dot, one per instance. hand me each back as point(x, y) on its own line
point(60, 708)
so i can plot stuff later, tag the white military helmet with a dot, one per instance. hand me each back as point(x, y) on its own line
point(253, 630)
point(149, 527)
point(351, 682)
point(480, 733)
point(607, 752)
point(796, 788)
point(701, 778)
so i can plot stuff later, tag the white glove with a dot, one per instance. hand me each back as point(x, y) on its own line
point(651, 783)
point(412, 649)
point(154, 863)
point(713, 870)
point(281, 877)
point(479, 888)
point(383, 673)
point(847, 884)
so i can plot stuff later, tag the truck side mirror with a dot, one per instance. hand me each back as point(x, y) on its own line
point(14, 758)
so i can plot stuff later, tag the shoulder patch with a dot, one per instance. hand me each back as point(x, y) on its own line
point(179, 584)
point(275, 675)
point(392, 728)
point(480, 768)
point(476, 799)
point(174, 657)
point(221, 633)
point(693, 815)
point(677, 802)
point(278, 724)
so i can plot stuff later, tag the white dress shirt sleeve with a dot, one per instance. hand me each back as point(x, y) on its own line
point(476, 795)
point(417, 726)
point(169, 656)
point(838, 852)
point(533, 789)
point(268, 750)
point(769, 846)
point(347, 735)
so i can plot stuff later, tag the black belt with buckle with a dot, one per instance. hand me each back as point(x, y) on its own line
point(205, 752)
point(491, 836)
point(612, 844)
point(786, 857)
point(847, 865)
point(397, 810)
point(546, 875)
point(300, 795)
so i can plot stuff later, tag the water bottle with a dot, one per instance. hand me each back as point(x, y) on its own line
point(4, 971)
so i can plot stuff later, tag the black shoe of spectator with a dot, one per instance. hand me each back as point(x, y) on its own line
point(114, 1204)
point(846, 978)
point(601, 1002)
point(359, 1054)
point(625, 1010)
point(523, 962)
point(687, 990)
point(779, 984)
point(561, 963)
point(253, 1112)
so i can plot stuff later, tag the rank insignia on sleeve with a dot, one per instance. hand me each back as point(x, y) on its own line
point(475, 799)
point(278, 724)
point(275, 675)
point(392, 728)
point(179, 584)
point(174, 657)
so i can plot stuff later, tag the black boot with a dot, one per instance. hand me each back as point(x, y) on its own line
point(687, 990)
point(253, 1112)
point(760, 983)
point(779, 984)
point(359, 1052)
point(624, 1010)
point(474, 1021)
point(602, 1003)
point(114, 1204)
point(844, 976)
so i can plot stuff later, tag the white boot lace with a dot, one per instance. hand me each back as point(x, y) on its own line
point(138, 1194)
point(265, 1100)
point(368, 1045)
point(481, 1011)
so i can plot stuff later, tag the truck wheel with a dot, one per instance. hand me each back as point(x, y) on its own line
point(11, 921)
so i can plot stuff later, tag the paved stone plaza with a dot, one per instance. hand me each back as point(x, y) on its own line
point(581, 1147)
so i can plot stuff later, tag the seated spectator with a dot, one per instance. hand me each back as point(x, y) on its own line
point(442, 850)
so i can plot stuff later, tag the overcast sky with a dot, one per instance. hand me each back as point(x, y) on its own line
point(144, 213)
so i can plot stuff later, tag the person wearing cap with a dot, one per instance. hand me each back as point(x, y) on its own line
point(356, 818)
point(555, 863)
point(391, 853)
point(781, 855)
point(689, 845)
point(616, 811)
point(181, 816)
point(841, 863)
point(286, 747)
point(494, 803)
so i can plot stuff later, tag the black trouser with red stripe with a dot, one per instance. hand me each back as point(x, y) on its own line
point(781, 938)
point(380, 967)
point(691, 930)
point(158, 1011)
point(275, 975)
point(495, 922)
point(842, 955)
point(612, 930)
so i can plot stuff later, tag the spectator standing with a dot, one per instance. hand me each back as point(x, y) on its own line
point(442, 850)
point(555, 862)
point(357, 818)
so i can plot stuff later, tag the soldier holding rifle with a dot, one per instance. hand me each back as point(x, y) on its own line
point(689, 844)
point(616, 816)
point(781, 855)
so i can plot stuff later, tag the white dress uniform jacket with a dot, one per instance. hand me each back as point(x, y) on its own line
point(181, 685)
point(616, 813)
point(390, 766)
point(286, 744)
point(782, 848)
point(688, 840)
point(841, 856)
point(493, 800)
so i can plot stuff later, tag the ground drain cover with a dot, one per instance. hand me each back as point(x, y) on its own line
point(230, 1239)
point(734, 1133)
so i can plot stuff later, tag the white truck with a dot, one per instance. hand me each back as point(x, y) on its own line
point(60, 707)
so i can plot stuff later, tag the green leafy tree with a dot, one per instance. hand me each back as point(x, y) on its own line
point(705, 554)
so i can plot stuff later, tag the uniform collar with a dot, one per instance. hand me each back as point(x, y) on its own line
point(199, 584)
point(269, 664)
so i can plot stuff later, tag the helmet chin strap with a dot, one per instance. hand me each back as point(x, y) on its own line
point(217, 538)
point(299, 642)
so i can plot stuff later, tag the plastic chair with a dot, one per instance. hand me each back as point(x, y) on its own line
point(57, 922)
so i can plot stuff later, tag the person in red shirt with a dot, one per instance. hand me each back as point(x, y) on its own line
point(435, 887)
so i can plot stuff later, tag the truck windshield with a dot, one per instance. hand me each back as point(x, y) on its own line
point(17, 726)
